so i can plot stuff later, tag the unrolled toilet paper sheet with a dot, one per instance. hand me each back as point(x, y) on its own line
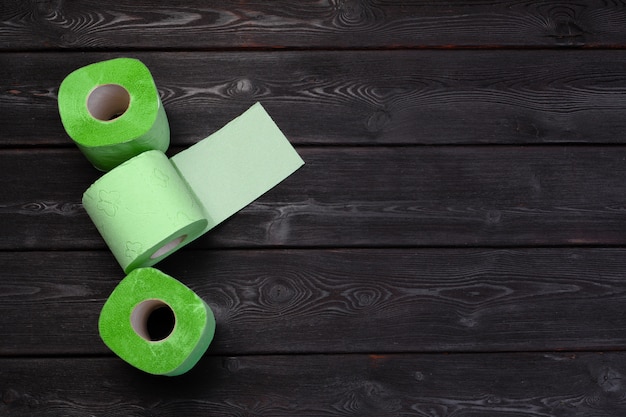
point(237, 164)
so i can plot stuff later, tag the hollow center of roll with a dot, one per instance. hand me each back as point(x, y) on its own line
point(168, 247)
point(154, 320)
point(108, 102)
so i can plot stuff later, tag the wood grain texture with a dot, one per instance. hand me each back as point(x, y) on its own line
point(454, 246)
point(502, 385)
point(352, 97)
point(94, 25)
point(361, 197)
point(338, 301)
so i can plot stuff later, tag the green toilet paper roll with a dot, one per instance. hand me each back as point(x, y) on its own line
point(150, 206)
point(112, 111)
point(171, 347)
point(144, 210)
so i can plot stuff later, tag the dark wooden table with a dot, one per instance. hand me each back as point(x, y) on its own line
point(454, 246)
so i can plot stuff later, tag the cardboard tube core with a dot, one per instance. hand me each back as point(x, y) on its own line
point(154, 320)
point(168, 247)
point(108, 102)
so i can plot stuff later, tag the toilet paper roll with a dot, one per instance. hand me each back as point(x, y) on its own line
point(156, 324)
point(150, 206)
point(112, 111)
point(144, 210)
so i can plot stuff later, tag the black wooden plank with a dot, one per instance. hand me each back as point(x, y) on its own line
point(338, 301)
point(352, 97)
point(90, 24)
point(346, 197)
point(528, 385)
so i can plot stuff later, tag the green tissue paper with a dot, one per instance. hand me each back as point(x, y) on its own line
point(112, 111)
point(144, 210)
point(150, 206)
point(237, 164)
point(125, 323)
